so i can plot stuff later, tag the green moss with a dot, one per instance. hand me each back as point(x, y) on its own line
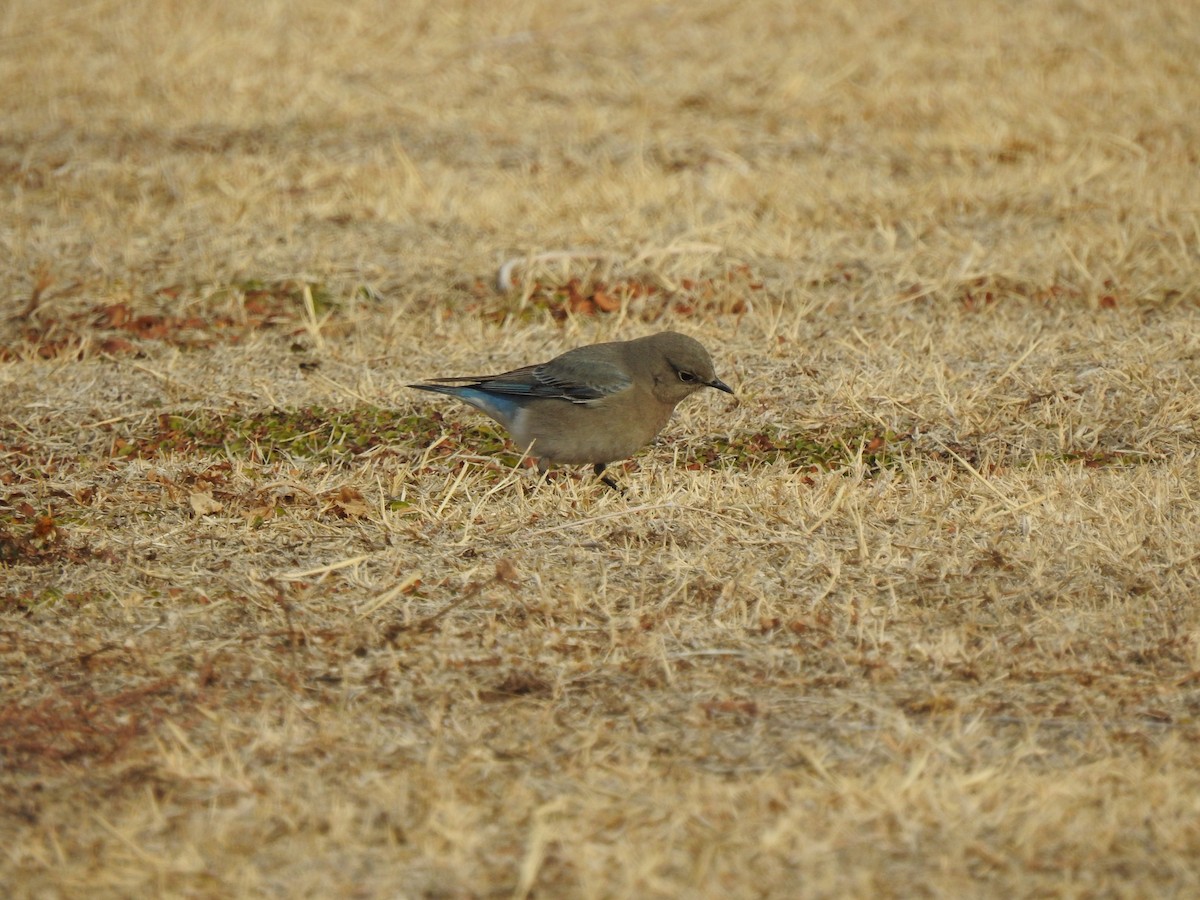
point(804, 450)
point(312, 432)
point(277, 298)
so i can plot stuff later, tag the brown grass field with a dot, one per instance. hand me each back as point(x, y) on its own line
point(916, 613)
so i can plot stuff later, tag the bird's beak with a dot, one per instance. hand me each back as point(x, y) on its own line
point(720, 385)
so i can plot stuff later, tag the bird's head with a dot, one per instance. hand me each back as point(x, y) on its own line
point(679, 366)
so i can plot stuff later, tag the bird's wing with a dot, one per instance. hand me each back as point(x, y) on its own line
point(580, 379)
point(564, 378)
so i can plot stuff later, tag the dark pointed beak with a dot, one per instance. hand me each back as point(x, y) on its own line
point(720, 385)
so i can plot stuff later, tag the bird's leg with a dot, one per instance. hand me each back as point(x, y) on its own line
point(599, 468)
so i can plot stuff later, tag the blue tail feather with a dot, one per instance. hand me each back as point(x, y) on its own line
point(500, 407)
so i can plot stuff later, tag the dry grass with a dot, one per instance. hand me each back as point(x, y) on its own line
point(914, 615)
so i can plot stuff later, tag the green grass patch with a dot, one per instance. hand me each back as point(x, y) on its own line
point(814, 451)
point(311, 432)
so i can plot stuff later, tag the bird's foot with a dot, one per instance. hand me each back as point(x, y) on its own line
point(599, 468)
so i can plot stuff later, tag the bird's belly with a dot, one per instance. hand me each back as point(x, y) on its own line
point(575, 433)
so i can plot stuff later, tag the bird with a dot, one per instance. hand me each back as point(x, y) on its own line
point(593, 404)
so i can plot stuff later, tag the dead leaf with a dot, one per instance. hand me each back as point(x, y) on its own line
point(203, 503)
point(115, 316)
point(348, 503)
point(117, 346)
point(605, 303)
point(506, 571)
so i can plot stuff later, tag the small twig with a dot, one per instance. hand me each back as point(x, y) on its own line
point(325, 570)
point(504, 280)
point(978, 476)
point(504, 277)
point(426, 623)
point(506, 574)
point(42, 279)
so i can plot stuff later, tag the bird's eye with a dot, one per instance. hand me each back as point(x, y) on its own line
point(687, 377)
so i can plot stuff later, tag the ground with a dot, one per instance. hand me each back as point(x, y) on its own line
point(912, 614)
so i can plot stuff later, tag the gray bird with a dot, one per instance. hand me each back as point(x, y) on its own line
point(593, 404)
